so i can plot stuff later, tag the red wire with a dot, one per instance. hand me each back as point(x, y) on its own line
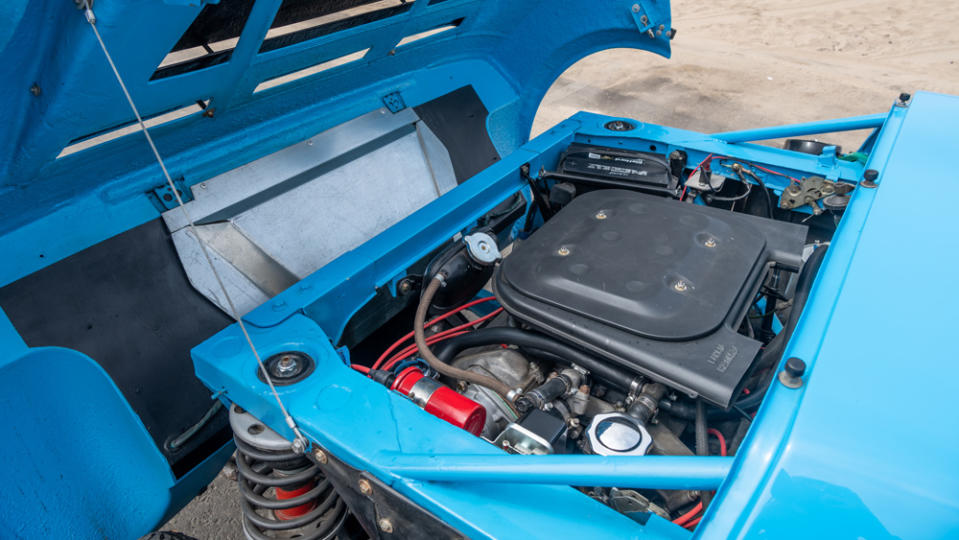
point(411, 349)
point(722, 440)
point(361, 369)
point(693, 523)
point(386, 353)
point(761, 168)
point(681, 520)
point(445, 334)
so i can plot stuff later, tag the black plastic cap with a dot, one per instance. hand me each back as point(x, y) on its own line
point(905, 96)
point(871, 175)
point(795, 367)
point(383, 377)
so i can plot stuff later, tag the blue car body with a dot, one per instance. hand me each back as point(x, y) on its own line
point(865, 448)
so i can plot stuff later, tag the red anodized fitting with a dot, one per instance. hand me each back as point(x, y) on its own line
point(441, 401)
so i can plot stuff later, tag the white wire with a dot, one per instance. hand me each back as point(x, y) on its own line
point(300, 439)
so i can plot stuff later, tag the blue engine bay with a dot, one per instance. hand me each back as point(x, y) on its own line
point(335, 175)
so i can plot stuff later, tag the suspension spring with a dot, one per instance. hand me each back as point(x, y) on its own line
point(284, 494)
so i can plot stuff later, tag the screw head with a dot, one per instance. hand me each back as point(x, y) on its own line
point(601, 215)
point(385, 525)
point(563, 251)
point(681, 286)
point(320, 456)
point(710, 243)
point(635, 8)
point(365, 487)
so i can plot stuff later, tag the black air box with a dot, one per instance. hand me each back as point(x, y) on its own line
point(651, 284)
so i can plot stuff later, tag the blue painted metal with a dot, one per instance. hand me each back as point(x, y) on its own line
point(651, 472)
point(838, 457)
point(834, 440)
point(798, 130)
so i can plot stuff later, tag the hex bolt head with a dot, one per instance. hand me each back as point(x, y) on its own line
point(365, 487)
point(286, 365)
point(385, 525)
point(320, 456)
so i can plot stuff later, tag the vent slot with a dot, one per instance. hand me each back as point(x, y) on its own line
point(209, 41)
point(429, 33)
point(312, 70)
point(296, 22)
point(96, 139)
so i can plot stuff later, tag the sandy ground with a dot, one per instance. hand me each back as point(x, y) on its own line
point(735, 65)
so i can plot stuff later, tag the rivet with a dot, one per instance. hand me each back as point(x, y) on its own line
point(635, 8)
point(320, 456)
point(601, 215)
point(710, 243)
point(365, 487)
point(680, 286)
point(563, 251)
point(385, 525)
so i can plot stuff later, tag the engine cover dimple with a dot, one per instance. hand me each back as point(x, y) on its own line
point(652, 284)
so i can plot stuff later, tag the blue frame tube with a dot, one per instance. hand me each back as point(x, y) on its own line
point(651, 472)
point(809, 128)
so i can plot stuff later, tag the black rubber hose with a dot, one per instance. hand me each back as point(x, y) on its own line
point(773, 352)
point(514, 336)
point(702, 444)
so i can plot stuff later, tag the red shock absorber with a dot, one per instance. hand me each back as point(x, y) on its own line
point(441, 401)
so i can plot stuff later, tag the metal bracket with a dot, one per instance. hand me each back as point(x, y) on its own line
point(394, 102)
point(644, 22)
point(165, 195)
point(810, 191)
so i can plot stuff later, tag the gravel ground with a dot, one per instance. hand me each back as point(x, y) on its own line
point(735, 65)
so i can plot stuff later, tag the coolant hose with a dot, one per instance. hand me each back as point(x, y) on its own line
point(522, 338)
point(419, 320)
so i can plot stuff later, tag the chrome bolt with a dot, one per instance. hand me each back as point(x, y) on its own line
point(385, 525)
point(563, 251)
point(365, 487)
point(635, 8)
point(320, 456)
point(680, 286)
point(601, 215)
point(710, 243)
point(286, 366)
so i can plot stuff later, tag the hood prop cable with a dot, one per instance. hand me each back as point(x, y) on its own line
point(300, 443)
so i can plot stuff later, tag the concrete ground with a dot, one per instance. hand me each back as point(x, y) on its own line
point(735, 65)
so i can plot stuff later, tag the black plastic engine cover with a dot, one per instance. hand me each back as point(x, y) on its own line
point(655, 285)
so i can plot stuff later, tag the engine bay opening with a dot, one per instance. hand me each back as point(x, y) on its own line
point(630, 303)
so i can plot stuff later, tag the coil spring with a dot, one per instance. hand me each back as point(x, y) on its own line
point(284, 495)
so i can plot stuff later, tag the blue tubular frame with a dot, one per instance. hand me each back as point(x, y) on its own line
point(869, 121)
point(650, 472)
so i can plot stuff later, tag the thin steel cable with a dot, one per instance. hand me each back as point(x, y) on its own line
point(300, 439)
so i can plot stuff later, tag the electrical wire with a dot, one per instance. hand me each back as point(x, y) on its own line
point(440, 336)
point(681, 520)
point(386, 353)
point(300, 443)
point(722, 440)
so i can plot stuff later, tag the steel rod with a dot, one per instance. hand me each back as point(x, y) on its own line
point(809, 128)
point(652, 472)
